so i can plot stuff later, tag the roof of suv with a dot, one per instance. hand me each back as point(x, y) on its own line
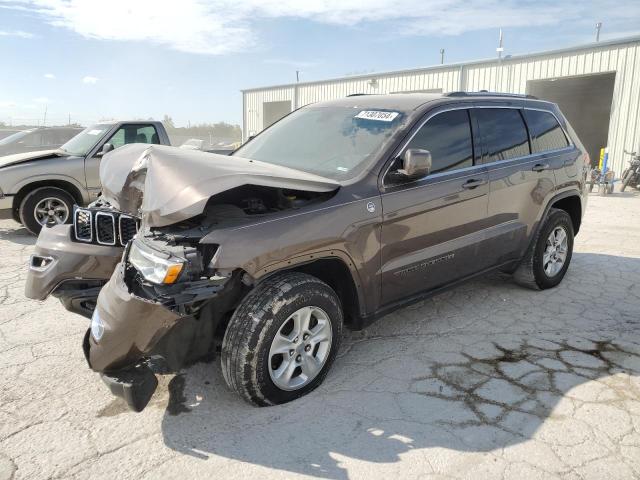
point(411, 101)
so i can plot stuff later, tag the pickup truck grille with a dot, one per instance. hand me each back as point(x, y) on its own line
point(103, 227)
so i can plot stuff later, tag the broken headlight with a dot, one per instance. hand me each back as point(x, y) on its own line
point(154, 266)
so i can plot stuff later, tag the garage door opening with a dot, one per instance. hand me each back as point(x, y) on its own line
point(586, 102)
point(274, 111)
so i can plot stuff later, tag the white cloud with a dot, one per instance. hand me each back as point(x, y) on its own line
point(90, 80)
point(224, 26)
point(7, 104)
point(16, 33)
point(49, 76)
point(41, 100)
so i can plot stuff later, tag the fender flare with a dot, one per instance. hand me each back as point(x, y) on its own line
point(332, 254)
point(545, 213)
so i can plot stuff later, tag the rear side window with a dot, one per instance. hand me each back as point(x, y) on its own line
point(448, 137)
point(546, 133)
point(503, 132)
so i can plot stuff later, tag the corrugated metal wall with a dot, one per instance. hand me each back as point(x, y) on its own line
point(511, 75)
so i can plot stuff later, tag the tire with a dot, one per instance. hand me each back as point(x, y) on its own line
point(59, 200)
point(626, 180)
point(265, 312)
point(591, 187)
point(531, 272)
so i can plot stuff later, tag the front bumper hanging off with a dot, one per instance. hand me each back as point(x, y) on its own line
point(132, 328)
point(129, 334)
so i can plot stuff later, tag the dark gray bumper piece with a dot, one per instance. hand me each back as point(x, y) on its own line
point(135, 385)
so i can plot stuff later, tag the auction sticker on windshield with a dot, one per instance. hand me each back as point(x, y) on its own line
point(377, 115)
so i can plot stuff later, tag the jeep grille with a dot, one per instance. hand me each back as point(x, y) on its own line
point(82, 225)
point(103, 227)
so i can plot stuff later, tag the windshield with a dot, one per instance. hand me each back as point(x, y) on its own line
point(85, 140)
point(332, 141)
point(15, 137)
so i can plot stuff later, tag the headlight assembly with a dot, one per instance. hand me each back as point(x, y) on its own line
point(153, 266)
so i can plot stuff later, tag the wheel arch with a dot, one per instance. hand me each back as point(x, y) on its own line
point(67, 186)
point(570, 203)
point(335, 271)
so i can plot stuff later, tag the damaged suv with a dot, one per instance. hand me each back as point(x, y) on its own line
point(337, 214)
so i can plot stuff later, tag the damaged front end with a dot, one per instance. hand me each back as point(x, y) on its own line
point(168, 301)
point(160, 311)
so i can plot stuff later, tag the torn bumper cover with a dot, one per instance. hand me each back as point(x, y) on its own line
point(71, 271)
point(128, 331)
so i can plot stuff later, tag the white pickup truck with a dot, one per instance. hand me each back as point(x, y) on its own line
point(40, 188)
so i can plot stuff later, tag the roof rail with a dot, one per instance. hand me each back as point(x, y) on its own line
point(357, 94)
point(486, 93)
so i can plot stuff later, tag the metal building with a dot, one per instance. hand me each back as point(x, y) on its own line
point(596, 85)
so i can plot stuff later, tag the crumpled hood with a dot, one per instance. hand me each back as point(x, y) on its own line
point(166, 185)
point(28, 156)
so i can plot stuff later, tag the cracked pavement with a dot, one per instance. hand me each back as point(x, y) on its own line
point(488, 380)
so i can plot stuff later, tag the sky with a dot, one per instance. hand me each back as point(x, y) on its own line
point(91, 59)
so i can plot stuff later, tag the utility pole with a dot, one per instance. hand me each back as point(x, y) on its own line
point(442, 56)
point(69, 119)
point(500, 48)
point(297, 76)
point(598, 27)
point(44, 120)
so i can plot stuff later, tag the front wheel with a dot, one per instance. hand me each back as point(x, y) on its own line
point(547, 260)
point(282, 339)
point(45, 207)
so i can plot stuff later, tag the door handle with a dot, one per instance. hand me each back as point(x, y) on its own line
point(473, 184)
point(540, 167)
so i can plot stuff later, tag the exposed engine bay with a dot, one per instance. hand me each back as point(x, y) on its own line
point(200, 279)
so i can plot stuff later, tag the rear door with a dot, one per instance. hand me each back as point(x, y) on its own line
point(519, 181)
point(433, 227)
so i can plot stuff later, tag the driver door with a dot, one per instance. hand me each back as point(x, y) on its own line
point(432, 231)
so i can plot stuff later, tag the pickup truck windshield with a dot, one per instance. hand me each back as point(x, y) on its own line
point(85, 140)
point(335, 142)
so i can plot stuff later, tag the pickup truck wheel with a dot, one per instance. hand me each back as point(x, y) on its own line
point(548, 258)
point(282, 339)
point(46, 206)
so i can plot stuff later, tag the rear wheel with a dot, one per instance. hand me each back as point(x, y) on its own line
point(548, 258)
point(46, 206)
point(282, 339)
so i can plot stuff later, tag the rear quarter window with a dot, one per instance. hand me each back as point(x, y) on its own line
point(546, 132)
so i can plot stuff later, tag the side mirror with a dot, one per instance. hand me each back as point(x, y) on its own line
point(416, 163)
point(106, 148)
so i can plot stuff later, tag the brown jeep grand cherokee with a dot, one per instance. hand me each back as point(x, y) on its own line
point(338, 213)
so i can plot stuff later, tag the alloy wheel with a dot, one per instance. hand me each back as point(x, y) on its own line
point(300, 348)
point(51, 211)
point(555, 252)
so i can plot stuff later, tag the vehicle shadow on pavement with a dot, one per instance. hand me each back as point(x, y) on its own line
point(19, 235)
point(429, 376)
